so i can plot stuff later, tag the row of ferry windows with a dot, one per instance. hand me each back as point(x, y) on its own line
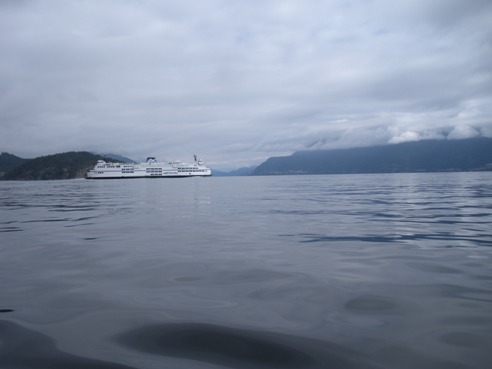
point(158, 170)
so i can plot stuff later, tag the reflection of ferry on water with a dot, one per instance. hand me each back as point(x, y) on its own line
point(151, 168)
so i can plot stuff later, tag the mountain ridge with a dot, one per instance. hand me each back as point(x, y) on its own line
point(417, 156)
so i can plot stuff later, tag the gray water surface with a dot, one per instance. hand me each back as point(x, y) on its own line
point(336, 271)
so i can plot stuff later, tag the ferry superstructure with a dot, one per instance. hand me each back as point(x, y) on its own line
point(195, 169)
point(149, 169)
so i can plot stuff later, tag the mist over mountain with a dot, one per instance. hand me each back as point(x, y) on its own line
point(418, 156)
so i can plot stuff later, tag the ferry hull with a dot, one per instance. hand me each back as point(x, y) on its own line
point(89, 176)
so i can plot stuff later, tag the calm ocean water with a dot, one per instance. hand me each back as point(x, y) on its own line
point(337, 271)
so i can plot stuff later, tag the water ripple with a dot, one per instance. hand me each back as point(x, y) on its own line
point(28, 349)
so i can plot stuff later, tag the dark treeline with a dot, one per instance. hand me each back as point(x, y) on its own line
point(9, 162)
point(67, 165)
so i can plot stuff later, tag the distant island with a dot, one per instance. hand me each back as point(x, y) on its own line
point(474, 154)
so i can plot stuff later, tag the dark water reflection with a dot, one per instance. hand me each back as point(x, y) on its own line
point(353, 271)
point(238, 348)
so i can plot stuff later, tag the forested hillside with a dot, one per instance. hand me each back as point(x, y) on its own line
point(67, 165)
point(9, 162)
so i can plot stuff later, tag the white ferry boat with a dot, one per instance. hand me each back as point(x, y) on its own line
point(150, 169)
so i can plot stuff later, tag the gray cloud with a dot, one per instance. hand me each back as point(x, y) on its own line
point(237, 82)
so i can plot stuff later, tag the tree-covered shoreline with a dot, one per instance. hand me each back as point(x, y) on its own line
point(68, 165)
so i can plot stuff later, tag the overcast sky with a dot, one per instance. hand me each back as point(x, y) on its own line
point(238, 81)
